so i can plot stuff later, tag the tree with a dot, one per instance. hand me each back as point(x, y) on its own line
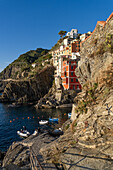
point(62, 33)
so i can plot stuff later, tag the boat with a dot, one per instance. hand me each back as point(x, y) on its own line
point(53, 119)
point(43, 122)
point(23, 133)
point(56, 132)
point(69, 115)
point(13, 105)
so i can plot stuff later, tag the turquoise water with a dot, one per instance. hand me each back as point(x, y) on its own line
point(13, 118)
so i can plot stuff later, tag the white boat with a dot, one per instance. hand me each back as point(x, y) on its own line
point(23, 133)
point(69, 115)
point(43, 122)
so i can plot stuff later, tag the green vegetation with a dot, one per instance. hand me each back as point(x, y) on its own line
point(58, 44)
point(105, 46)
point(31, 56)
point(62, 33)
point(109, 43)
point(89, 99)
point(67, 126)
point(25, 61)
point(43, 58)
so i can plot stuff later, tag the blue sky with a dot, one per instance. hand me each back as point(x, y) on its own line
point(29, 24)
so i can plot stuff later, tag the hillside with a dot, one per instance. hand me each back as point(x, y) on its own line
point(30, 90)
point(23, 64)
point(87, 142)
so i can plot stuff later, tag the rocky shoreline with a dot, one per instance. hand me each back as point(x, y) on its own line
point(62, 153)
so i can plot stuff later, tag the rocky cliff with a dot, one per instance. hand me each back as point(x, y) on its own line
point(88, 140)
point(31, 90)
point(22, 64)
point(56, 98)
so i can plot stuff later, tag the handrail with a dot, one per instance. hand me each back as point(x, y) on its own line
point(34, 160)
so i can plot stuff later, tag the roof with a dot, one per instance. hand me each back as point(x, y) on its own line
point(103, 23)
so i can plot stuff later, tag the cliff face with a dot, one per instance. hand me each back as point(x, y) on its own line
point(96, 53)
point(91, 131)
point(88, 140)
point(21, 67)
point(92, 117)
point(31, 90)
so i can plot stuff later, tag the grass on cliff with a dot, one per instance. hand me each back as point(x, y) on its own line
point(58, 44)
point(31, 56)
point(89, 98)
point(105, 46)
point(24, 62)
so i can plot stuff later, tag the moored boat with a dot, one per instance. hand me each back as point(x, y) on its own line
point(23, 133)
point(69, 115)
point(56, 132)
point(43, 122)
point(53, 119)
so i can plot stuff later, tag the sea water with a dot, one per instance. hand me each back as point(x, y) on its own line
point(13, 119)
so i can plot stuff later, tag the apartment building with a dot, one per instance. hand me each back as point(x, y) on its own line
point(72, 34)
point(69, 50)
point(68, 76)
point(85, 35)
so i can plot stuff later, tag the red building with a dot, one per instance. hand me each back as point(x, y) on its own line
point(69, 79)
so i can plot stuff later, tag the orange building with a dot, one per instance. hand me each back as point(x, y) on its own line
point(69, 79)
point(72, 47)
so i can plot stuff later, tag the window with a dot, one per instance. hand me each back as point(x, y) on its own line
point(76, 80)
point(78, 87)
point(71, 73)
point(72, 67)
point(71, 80)
point(73, 87)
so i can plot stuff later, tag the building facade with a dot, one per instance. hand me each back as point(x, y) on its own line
point(68, 76)
point(72, 34)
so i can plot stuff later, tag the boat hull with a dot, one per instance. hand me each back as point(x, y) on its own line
point(43, 122)
point(23, 134)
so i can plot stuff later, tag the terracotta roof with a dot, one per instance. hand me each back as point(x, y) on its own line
point(103, 23)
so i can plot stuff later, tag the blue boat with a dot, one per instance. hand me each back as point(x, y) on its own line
point(69, 115)
point(53, 119)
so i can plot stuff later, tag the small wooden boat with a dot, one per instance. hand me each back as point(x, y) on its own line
point(56, 132)
point(53, 119)
point(43, 122)
point(69, 115)
point(23, 133)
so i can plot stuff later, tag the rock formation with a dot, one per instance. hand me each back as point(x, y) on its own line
point(56, 98)
point(90, 135)
point(26, 91)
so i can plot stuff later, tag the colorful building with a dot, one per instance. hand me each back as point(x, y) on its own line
point(69, 50)
point(69, 79)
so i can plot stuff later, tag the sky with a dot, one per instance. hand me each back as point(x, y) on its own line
point(29, 24)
